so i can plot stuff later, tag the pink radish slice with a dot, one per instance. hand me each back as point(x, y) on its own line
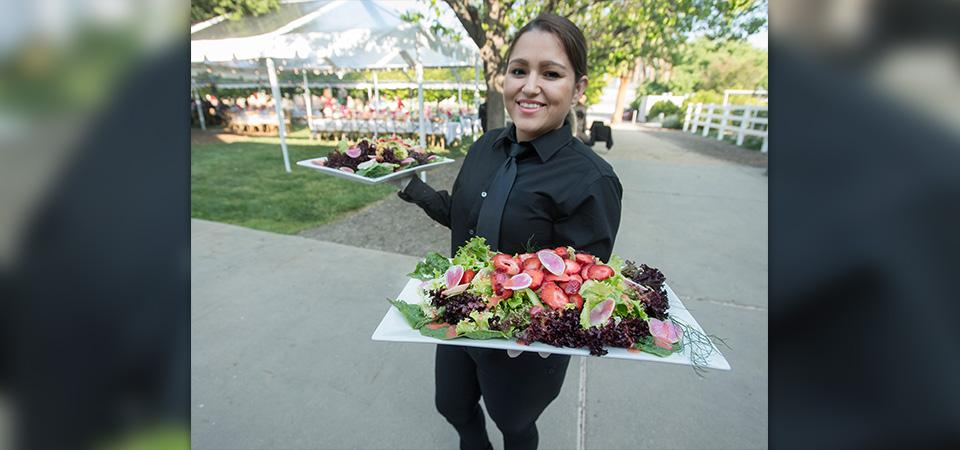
point(453, 276)
point(601, 313)
point(517, 282)
point(353, 152)
point(455, 290)
point(346, 169)
point(536, 309)
point(407, 161)
point(552, 262)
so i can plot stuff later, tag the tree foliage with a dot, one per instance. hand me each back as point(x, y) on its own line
point(618, 32)
point(711, 66)
point(233, 9)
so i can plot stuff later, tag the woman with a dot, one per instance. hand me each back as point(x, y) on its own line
point(554, 192)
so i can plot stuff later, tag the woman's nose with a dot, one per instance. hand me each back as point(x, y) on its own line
point(530, 86)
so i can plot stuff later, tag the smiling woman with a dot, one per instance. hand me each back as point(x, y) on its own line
point(530, 185)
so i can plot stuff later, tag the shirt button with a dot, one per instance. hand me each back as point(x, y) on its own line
point(483, 194)
point(471, 232)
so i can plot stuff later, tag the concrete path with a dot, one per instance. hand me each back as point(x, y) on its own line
point(282, 356)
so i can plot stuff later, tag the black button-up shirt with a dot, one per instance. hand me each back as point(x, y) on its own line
point(564, 195)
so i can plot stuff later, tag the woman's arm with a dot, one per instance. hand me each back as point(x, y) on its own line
point(594, 220)
point(435, 203)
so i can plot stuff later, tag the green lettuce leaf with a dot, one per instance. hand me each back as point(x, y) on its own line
point(647, 345)
point(481, 285)
point(412, 313)
point(477, 321)
point(439, 333)
point(594, 292)
point(487, 334)
point(433, 266)
point(473, 255)
point(376, 169)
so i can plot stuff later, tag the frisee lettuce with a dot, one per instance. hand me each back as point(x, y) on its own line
point(474, 254)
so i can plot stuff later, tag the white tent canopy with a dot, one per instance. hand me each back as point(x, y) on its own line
point(349, 34)
point(333, 35)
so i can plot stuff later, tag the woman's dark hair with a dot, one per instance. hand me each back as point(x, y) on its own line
point(574, 44)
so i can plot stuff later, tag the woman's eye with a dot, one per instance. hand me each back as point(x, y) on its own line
point(516, 72)
point(551, 74)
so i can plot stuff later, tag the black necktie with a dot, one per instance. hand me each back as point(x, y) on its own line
point(491, 212)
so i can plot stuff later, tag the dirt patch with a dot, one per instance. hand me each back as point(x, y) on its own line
point(213, 137)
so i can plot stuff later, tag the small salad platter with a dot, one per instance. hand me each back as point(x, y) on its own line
point(374, 162)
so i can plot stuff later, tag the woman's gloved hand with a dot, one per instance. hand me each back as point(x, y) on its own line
point(401, 182)
point(516, 353)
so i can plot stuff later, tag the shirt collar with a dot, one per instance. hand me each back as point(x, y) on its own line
point(546, 144)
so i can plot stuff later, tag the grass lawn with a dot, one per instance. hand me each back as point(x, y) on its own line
point(244, 183)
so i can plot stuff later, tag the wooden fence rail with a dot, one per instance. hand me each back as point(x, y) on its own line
point(737, 120)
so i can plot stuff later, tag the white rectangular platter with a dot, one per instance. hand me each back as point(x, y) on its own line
point(394, 328)
point(310, 164)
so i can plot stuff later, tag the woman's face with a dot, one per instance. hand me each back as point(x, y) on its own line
point(540, 86)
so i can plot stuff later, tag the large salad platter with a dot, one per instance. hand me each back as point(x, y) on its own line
point(552, 300)
point(374, 162)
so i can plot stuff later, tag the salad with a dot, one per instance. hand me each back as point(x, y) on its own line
point(376, 159)
point(559, 296)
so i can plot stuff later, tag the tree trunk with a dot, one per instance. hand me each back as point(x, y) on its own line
point(495, 116)
point(621, 98)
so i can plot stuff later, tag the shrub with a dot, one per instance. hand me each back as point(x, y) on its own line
point(663, 106)
point(673, 121)
point(705, 97)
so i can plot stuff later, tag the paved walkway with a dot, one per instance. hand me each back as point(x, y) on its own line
point(282, 356)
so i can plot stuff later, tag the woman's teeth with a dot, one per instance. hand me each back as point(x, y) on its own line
point(526, 105)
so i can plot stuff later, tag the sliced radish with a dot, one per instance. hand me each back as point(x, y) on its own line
point(453, 276)
point(601, 313)
point(551, 261)
point(455, 290)
point(346, 169)
point(519, 281)
point(353, 152)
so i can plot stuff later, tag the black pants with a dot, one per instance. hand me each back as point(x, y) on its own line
point(515, 391)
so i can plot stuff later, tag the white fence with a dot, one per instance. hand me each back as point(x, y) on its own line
point(738, 120)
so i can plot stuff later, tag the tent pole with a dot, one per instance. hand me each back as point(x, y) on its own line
point(423, 124)
point(376, 105)
point(306, 95)
point(196, 100)
point(278, 103)
point(456, 76)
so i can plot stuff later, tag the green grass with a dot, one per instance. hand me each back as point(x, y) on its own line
point(244, 183)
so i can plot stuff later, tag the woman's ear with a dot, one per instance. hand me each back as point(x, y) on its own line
point(579, 88)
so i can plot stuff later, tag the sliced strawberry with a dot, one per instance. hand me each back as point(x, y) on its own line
point(525, 256)
point(552, 295)
point(536, 309)
point(570, 287)
point(599, 272)
point(467, 276)
point(552, 277)
point(532, 264)
point(585, 258)
point(537, 276)
point(505, 263)
point(577, 299)
point(584, 270)
point(497, 280)
point(572, 266)
point(562, 251)
point(576, 276)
